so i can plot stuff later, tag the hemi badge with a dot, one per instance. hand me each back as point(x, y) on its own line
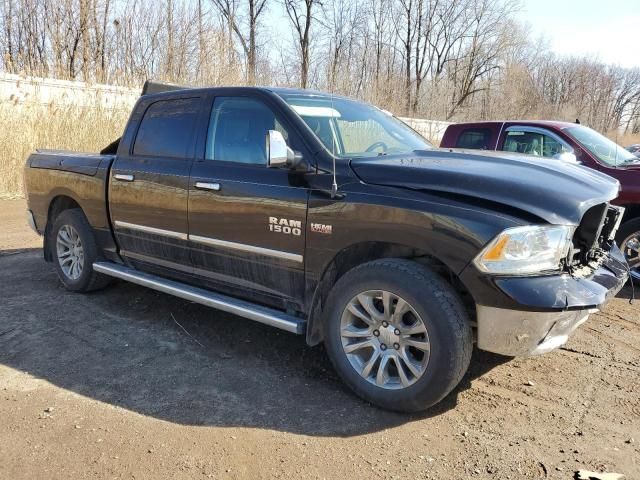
point(322, 228)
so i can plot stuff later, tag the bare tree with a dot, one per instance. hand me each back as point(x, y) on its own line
point(248, 41)
point(406, 28)
point(300, 13)
point(439, 59)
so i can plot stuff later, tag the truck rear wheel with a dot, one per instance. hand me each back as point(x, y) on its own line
point(74, 251)
point(397, 334)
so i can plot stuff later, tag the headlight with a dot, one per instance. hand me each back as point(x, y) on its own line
point(526, 250)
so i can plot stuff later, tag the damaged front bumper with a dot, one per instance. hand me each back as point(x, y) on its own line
point(533, 315)
point(517, 333)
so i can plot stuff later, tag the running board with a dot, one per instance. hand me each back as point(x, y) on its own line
point(261, 314)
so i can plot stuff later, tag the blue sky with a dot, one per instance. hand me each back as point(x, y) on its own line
point(606, 29)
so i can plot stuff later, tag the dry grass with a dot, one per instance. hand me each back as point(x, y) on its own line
point(28, 127)
point(626, 139)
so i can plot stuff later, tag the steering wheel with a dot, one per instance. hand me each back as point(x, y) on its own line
point(375, 145)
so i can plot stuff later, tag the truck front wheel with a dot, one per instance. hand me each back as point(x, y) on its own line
point(74, 250)
point(397, 334)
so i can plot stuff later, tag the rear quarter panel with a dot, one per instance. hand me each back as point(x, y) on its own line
point(81, 178)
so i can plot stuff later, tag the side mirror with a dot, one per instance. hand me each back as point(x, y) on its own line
point(278, 152)
point(276, 149)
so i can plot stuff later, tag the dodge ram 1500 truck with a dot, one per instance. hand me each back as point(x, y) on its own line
point(324, 216)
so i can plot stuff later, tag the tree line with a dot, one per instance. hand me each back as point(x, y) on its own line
point(438, 59)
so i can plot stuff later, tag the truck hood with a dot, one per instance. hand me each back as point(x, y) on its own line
point(556, 191)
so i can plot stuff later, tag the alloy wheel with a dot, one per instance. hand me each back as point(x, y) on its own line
point(384, 339)
point(70, 252)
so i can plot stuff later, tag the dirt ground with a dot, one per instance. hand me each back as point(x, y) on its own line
point(108, 385)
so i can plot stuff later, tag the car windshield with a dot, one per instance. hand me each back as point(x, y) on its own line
point(605, 150)
point(352, 129)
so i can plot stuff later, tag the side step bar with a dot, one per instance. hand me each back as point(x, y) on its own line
point(261, 314)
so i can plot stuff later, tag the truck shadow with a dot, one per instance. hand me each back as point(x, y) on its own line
point(180, 362)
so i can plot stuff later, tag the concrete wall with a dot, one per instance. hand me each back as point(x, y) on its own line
point(18, 90)
point(432, 130)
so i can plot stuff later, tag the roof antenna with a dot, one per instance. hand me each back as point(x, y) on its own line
point(334, 185)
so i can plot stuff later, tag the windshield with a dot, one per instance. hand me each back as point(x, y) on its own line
point(352, 129)
point(605, 150)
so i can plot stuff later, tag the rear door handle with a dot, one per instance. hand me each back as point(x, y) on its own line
point(207, 186)
point(124, 177)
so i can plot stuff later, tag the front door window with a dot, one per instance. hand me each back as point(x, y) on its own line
point(535, 143)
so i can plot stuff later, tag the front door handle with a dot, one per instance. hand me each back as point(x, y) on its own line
point(124, 177)
point(207, 186)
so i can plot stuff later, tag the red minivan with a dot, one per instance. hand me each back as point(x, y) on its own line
point(565, 142)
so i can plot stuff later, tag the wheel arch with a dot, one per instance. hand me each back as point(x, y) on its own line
point(367, 251)
point(631, 212)
point(57, 205)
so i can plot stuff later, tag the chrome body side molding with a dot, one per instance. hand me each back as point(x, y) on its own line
point(258, 313)
point(214, 242)
point(153, 230)
point(294, 257)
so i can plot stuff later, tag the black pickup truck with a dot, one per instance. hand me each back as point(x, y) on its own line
point(327, 217)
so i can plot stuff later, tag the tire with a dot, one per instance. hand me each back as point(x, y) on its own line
point(431, 301)
point(627, 232)
point(72, 238)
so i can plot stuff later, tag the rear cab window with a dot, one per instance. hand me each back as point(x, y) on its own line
point(167, 129)
point(475, 138)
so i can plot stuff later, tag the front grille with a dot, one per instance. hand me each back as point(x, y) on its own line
point(594, 236)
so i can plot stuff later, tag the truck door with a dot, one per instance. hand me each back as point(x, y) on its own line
point(149, 183)
point(247, 221)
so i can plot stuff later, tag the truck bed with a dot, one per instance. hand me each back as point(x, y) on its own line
point(53, 176)
point(69, 161)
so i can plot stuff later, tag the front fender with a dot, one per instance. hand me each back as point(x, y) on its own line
point(449, 231)
point(359, 226)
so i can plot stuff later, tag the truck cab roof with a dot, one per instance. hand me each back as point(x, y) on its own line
point(167, 89)
point(557, 124)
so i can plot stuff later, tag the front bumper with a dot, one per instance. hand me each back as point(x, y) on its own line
point(517, 333)
point(533, 315)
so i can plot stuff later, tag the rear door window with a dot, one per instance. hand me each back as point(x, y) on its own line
point(475, 138)
point(167, 128)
